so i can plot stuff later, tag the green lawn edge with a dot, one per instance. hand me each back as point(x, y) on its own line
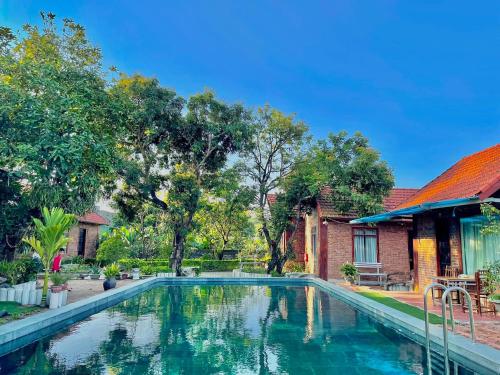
point(16, 311)
point(414, 311)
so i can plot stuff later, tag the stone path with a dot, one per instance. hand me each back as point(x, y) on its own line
point(81, 289)
point(487, 325)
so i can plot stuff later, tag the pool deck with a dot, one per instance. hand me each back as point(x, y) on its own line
point(487, 325)
point(476, 356)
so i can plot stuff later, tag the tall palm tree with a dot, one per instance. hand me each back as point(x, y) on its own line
point(50, 237)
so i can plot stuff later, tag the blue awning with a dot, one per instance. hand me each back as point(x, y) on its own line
point(409, 211)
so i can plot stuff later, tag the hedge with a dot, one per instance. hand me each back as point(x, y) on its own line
point(163, 265)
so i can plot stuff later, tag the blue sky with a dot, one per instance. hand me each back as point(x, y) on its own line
point(421, 79)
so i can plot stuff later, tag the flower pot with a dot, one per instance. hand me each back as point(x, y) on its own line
point(39, 295)
point(64, 298)
point(109, 283)
point(135, 274)
point(11, 294)
point(56, 288)
point(32, 297)
point(496, 302)
point(25, 297)
point(18, 294)
point(3, 294)
point(54, 300)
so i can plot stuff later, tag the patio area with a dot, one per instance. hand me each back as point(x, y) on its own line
point(487, 325)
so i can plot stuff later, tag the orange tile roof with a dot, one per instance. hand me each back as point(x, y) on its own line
point(396, 197)
point(93, 218)
point(475, 175)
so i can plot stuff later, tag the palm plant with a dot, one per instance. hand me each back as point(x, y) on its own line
point(50, 237)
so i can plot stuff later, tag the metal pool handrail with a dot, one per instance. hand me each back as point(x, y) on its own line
point(426, 319)
point(445, 323)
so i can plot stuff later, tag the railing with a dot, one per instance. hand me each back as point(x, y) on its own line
point(446, 292)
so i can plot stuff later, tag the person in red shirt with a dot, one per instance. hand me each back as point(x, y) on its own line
point(56, 265)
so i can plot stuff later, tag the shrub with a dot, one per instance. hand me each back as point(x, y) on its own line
point(492, 281)
point(59, 278)
point(112, 249)
point(111, 271)
point(349, 271)
point(294, 266)
point(253, 269)
point(19, 271)
point(77, 259)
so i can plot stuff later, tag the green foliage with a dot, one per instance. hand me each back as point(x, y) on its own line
point(358, 179)
point(223, 220)
point(19, 270)
point(349, 271)
point(294, 266)
point(492, 280)
point(56, 116)
point(58, 278)
point(111, 271)
point(50, 237)
point(492, 214)
point(403, 307)
point(205, 265)
point(115, 246)
point(495, 297)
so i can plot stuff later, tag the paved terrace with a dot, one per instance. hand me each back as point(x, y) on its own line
point(487, 325)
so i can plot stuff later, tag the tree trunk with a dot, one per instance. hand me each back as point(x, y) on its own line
point(178, 252)
point(275, 255)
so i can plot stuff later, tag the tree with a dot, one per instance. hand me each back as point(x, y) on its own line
point(358, 179)
point(50, 237)
point(275, 148)
point(56, 116)
point(223, 218)
point(170, 157)
point(492, 215)
point(300, 188)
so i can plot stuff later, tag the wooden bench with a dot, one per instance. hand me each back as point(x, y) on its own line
point(370, 270)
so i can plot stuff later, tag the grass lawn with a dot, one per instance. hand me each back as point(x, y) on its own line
point(16, 311)
point(401, 306)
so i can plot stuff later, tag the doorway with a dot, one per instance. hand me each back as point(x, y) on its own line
point(82, 238)
point(443, 245)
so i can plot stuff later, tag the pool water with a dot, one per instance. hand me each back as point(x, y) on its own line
point(220, 329)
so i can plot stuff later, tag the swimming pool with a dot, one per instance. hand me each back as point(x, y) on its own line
point(230, 329)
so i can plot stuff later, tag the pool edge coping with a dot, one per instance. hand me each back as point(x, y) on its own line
point(481, 355)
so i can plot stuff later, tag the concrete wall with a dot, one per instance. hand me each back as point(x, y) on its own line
point(90, 241)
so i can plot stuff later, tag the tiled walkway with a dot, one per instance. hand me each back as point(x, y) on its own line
point(487, 326)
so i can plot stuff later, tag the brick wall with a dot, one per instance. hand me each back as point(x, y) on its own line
point(339, 247)
point(298, 241)
point(90, 240)
point(425, 249)
point(392, 242)
point(393, 247)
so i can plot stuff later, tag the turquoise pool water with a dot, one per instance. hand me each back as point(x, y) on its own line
point(219, 329)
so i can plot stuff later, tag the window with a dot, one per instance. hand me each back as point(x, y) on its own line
point(365, 245)
point(477, 249)
point(313, 241)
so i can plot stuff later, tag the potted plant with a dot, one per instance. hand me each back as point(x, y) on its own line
point(59, 282)
point(110, 273)
point(492, 283)
point(50, 237)
point(94, 273)
point(349, 271)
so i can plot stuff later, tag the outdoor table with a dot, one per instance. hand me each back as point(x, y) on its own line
point(447, 281)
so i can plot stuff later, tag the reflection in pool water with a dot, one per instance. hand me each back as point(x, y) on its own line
point(222, 329)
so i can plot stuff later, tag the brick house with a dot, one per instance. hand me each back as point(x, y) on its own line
point(325, 239)
point(84, 237)
point(447, 218)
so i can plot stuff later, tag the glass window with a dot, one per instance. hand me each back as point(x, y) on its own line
point(477, 250)
point(365, 245)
